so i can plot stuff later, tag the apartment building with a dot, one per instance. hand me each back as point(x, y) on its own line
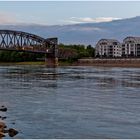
point(108, 48)
point(131, 47)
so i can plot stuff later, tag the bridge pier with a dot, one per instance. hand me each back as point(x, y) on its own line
point(52, 58)
point(51, 62)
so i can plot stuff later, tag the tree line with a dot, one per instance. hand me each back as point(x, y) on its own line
point(65, 53)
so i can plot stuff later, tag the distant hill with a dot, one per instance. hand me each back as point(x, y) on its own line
point(86, 33)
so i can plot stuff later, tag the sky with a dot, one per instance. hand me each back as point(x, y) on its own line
point(66, 12)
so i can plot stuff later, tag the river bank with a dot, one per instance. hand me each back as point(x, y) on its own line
point(23, 63)
point(35, 63)
point(87, 62)
point(109, 62)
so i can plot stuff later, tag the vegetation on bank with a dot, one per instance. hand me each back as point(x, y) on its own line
point(71, 53)
point(67, 54)
point(14, 56)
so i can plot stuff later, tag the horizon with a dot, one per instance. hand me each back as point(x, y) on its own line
point(40, 24)
point(65, 12)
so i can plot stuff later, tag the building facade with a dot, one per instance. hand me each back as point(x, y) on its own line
point(108, 48)
point(131, 47)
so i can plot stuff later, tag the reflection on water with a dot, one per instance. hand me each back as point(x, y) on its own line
point(71, 102)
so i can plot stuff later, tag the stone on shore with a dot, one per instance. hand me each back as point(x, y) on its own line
point(3, 109)
point(12, 132)
point(2, 126)
point(2, 135)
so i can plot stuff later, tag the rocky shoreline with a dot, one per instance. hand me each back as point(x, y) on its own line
point(3, 128)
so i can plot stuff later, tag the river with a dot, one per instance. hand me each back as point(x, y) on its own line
point(71, 101)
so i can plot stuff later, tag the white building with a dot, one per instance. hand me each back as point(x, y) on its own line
point(131, 47)
point(108, 48)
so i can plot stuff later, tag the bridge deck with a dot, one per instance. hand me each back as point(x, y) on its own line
point(30, 51)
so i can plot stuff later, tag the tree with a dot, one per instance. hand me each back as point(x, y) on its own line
point(91, 51)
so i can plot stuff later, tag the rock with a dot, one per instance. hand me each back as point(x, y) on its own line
point(3, 118)
point(3, 109)
point(5, 126)
point(2, 126)
point(12, 132)
point(2, 135)
point(5, 131)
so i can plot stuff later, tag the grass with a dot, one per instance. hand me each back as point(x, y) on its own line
point(61, 63)
point(24, 63)
point(31, 63)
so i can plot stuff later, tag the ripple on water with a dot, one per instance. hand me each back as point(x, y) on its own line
point(72, 102)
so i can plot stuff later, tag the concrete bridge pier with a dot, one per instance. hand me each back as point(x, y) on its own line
point(51, 62)
point(52, 58)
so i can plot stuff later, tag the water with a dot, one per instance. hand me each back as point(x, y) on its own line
point(71, 102)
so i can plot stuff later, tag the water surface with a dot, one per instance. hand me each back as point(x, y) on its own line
point(71, 102)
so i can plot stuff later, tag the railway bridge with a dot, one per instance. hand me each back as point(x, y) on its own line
point(26, 42)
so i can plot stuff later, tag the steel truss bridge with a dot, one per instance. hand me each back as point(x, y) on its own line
point(21, 41)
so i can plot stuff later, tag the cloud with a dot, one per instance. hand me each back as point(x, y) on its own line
point(14, 19)
point(6, 18)
point(75, 20)
point(85, 29)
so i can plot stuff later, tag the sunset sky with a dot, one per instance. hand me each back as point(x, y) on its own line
point(65, 12)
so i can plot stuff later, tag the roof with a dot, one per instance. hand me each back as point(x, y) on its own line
point(136, 39)
point(108, 41)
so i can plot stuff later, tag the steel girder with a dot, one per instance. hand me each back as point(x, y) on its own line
point(22, 41)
